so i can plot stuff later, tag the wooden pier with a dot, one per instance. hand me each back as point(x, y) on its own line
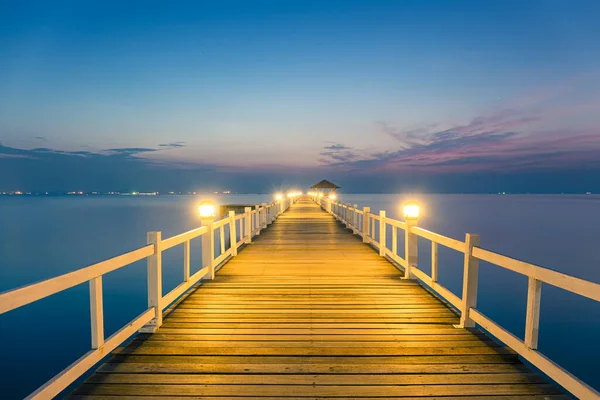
point(309, 310)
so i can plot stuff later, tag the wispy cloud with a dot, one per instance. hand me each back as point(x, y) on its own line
point(129, 151)
point(501, 139)
point(338, 153)
point(336, 147)
point(173, 145)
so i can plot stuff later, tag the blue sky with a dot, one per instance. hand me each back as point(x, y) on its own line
point(294, 90)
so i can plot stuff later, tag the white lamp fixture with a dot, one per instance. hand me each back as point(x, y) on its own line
point(207, 209)
point(411, 210)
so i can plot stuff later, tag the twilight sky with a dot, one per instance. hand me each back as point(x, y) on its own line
point(451, 96)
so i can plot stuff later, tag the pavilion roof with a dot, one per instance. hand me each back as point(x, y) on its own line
point(325, 184)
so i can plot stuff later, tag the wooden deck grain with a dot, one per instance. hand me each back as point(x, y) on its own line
point(308, 311)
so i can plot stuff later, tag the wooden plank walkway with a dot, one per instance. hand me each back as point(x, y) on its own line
point(309, 311)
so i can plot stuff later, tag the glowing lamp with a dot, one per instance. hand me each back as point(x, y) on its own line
point(206, 209)
point(332, 196)
point(411, 210)
point(278, 196)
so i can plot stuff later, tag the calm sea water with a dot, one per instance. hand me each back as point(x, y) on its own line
point(44, 237)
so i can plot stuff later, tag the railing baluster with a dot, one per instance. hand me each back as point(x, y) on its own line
point(394, 240)
point(222, 238)
point(365, 228)
point(232, 233)
point(96, 312)
point(434, 262)
point(532, 321)
point(248, 224)
point(154, 265)
point(470, 280)
point(372, 229)
point(354, 219)
point(382, 233)
point(186, 261)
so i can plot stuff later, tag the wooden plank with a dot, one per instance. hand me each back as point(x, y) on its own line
point(147, 349)
point(320, 360)
point(123, 366)
point(317, 390)
point(318, 379)
point(242, 397)
point(233, 343)
point(316, 337)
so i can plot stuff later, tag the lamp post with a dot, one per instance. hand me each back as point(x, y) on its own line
point(411, 249)
point(207, 217)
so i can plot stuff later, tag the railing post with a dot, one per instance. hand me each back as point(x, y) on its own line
point(372, 230)
point(532, 321)
point(248, 224)
point(354, 218)
point(470, 281)
point(382, 233)
point(365, 229)
point(232, 233)
point(186, 261)
point(208, 247)
point(154, 265)
point(96, 312)
point(411, 247)
point(257, 219)
point(222, 239)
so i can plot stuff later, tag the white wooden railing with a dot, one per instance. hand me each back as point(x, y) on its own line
point(248, 224)
point(362, 223)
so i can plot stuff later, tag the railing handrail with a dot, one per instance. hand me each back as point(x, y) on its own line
point(16, 298)
point(566, 282)
point(251, 222)
point(466, 305)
